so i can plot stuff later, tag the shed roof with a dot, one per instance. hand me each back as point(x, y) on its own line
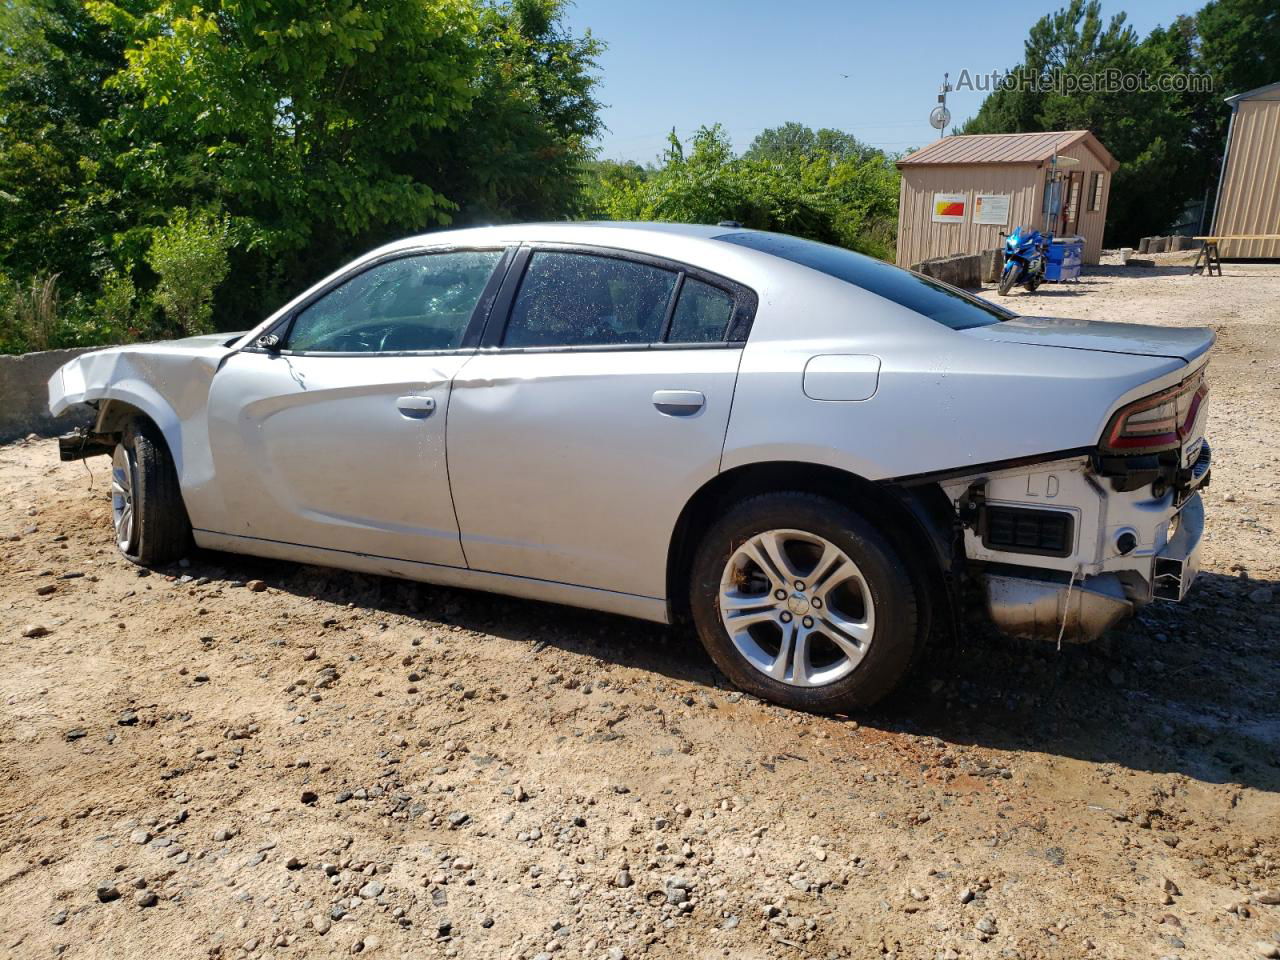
point(1269, 92)
point(1034, 148)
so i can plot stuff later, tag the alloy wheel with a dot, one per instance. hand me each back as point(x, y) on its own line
point(124, 483)
point(796, 607)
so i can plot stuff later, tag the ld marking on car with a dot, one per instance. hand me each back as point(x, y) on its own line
point(808, 453)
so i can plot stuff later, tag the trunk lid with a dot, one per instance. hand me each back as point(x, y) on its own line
point(1140, 339)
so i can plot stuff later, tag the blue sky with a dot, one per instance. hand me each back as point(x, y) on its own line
point(753, 64)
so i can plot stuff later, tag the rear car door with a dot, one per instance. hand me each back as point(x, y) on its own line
point(336, 438)
point(595, 407)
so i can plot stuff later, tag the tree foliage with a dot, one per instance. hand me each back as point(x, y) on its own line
point(794, 186)
point(319, 127)
point(189, 257)
point(1168, 142)
point(792, 140)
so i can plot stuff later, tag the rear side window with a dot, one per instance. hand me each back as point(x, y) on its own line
point(577, 299)
point(702, 313)
point(937, 301)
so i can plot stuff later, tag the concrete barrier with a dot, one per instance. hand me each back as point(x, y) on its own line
point(1144, 245)
point(992, 265)
point(24, 394)
point(959, 270)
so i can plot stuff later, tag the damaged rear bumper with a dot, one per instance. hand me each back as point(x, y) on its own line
point(1062, 551)
point(1045, 609)
point(1042, 605)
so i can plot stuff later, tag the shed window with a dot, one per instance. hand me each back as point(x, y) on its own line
point(1095, 192)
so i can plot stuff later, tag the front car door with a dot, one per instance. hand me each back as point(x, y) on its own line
point(336, 439)
point(595, 408)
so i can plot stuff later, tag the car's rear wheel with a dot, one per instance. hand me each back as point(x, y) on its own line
point(802, 602)
point(147, 511)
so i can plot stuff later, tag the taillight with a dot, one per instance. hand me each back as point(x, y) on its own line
point(1158, 422)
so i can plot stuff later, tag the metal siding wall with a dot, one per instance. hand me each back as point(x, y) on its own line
point(906, 197)
point(1251, 188)
point(919, 238)
point(1091, 222)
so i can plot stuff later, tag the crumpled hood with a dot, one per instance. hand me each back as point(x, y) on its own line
point(1139, 339)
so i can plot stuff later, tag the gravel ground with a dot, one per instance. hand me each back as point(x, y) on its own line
point(236, 758)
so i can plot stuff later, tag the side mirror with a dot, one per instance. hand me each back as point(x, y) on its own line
point(268, 342)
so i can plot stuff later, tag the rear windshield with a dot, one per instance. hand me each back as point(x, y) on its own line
point(937, 301)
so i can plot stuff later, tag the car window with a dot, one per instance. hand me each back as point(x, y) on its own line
point(412, 303)
point(577, 299)
point(702, 313)
point(937, 301)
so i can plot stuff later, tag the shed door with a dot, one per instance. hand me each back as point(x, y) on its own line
point(1071, 213)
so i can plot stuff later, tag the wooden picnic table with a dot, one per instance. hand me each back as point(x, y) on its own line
point(1209, 251)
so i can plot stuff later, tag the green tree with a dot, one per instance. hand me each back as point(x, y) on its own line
point(189, 257)
point(1238, 44)
point(322, 128)
point(795, 140)
point(836, 199)
point(521, 151)
point(1148, 131)
point(303, 115)
point(59, 197)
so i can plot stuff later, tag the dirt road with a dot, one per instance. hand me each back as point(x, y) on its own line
point(338, 764)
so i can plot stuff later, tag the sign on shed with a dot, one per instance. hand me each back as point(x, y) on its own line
point(949, 207)
point(991, 208)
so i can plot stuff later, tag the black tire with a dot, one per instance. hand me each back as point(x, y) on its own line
point(1009, 279)
point(899, 632)
point(162, 531)
point(1033, 284)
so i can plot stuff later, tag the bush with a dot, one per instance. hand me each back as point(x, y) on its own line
point(846, 197)
point(113, 314)
point(29, 314)
point(189, 257)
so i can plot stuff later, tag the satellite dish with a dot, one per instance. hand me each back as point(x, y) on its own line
point(939, 117)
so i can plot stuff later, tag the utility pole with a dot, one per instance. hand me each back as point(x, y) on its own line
point(940, 116)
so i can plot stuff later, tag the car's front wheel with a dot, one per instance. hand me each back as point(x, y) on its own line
point(147, 511)
point(802, 602)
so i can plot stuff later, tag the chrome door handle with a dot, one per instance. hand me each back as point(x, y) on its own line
point(416, 406)
point(678, 403)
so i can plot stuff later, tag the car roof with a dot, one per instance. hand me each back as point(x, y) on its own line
point(670, 239)
point(691, 243)
point(579, 231)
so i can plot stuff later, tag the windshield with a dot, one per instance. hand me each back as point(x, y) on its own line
point(938, 301)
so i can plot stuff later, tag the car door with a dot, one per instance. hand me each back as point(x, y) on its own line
point(596, 406)
point(335, 438)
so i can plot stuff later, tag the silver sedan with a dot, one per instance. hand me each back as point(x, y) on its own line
point(809, 454)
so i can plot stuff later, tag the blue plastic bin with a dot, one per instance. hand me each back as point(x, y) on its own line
point(1066, 254)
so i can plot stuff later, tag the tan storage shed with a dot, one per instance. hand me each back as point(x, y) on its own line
point(960, 192)
point(1249, 191)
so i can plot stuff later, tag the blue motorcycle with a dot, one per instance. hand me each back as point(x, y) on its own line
point(1025, 251)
